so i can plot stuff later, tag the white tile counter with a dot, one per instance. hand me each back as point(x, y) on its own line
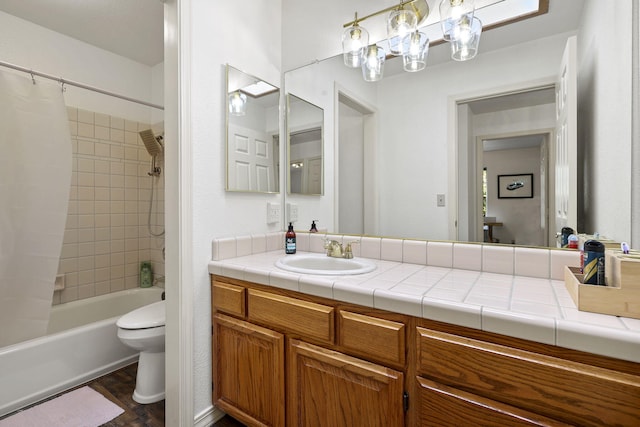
point(488, 294)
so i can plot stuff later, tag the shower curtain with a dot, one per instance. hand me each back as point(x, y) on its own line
point(35, 178)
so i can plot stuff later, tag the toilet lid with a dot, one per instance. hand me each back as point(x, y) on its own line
point(149, 316)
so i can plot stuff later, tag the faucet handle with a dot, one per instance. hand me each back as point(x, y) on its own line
point(348, 253)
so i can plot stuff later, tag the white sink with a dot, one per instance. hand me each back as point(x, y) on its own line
point(322, 264)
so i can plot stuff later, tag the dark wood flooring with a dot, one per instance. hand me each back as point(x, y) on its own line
point(118, 387)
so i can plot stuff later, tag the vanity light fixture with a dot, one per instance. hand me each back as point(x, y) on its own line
point(466, 37)
point(459, 27)
point(416, 49)
point(355, 40)
point(373, 63)
point(237, 103)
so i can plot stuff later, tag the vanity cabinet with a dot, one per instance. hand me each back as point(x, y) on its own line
point(287, 358)
point(462, 378)
point(283, 358)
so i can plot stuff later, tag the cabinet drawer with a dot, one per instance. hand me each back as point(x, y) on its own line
point(292, 315)
point(564, 390)
point(381, 339)
point(228, 298)
point(440, 405)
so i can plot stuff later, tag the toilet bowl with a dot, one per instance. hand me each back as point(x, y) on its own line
point(143, 330)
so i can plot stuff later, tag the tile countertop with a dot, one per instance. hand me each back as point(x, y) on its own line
point(536, 309)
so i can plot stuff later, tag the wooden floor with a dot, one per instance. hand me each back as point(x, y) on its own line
point(118, 387)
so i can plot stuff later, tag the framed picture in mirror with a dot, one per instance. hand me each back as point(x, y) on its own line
point(515, 186)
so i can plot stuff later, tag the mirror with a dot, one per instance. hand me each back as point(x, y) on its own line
point(304, 147)
point(253, 142)
point(408, 141)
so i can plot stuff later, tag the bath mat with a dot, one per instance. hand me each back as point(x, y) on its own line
point(83, 407)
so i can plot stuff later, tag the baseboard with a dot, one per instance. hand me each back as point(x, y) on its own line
point(208, 417)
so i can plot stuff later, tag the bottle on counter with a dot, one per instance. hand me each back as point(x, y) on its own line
point(564, 236)
point(313, 228)
point(594, 263)
point(290, 241)
point(146, 274)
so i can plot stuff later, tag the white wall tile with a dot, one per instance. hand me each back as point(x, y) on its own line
point(561, 258)
point(440, 254)
point(497, 259)
point(391, 250)
point(467, 256)
point(370, 247)
point(533, 262)
point(414, 251)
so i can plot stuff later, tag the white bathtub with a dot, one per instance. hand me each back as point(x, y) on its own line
point(81, 344)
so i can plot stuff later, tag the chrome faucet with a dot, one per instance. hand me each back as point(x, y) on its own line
point(335, 249)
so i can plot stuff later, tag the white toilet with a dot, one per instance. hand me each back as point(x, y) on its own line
point(143, 330)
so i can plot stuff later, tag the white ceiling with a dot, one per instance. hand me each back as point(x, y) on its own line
point(130, 28)
point(134, 28)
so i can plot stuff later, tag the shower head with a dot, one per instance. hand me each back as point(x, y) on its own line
point(151, 142)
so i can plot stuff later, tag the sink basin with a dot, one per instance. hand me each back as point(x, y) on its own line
point(322, 264)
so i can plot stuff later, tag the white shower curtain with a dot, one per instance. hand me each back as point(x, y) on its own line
point(35, 178)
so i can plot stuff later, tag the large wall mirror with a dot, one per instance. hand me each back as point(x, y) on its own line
point(405, 120)
point(253, 142)
point(305, 147)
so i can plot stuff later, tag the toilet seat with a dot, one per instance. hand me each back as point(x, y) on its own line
point(149, 316)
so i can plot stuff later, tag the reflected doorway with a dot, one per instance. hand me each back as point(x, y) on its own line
point(356, 207)
point(509, 214)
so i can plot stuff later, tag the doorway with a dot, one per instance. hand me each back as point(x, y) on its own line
point(513, 188)
point(356, 204)
point(513, 122)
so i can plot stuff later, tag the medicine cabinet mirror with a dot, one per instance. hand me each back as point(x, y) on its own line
point(305, 147)
point(253, 142)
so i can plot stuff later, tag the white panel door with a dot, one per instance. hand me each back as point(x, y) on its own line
point(250, 160)
point(566, 150)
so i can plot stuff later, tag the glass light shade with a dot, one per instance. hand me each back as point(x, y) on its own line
point(453, 13)
point(237, 103)
point(464, 45)
point(373, 63)
point(355, 40)
point(400, 24)
point(416, 49)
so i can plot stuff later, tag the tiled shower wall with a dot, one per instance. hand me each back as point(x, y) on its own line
point(106, 234)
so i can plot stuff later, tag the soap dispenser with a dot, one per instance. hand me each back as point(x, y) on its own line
point(313, 228)
point(290, 241)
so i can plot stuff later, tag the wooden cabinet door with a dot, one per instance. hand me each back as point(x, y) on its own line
point(327, 388)
point(440, 406)
point(248, 365)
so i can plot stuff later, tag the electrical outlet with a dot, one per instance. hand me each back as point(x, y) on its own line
point(273, 212)
point(292, 212)
point(440, 200)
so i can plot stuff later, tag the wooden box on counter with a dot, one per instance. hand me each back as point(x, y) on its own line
point(621, 296)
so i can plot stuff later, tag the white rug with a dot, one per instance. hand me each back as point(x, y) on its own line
point(83, 407)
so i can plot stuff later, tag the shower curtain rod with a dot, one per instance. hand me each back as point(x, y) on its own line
point(80, 85)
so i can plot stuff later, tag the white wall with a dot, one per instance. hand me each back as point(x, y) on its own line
point(604, 119)
point(414, 159)
point(520, 217)
point(249, 40)
point(35, 47)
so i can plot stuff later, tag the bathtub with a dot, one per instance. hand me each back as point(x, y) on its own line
point(81, 344)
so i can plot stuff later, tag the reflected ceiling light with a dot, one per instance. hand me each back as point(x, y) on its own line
point(373, 63)
point(400, 24)
point(465, 41)
point(416, 49)
point(459, 26)
point(237, 103)
point(452, 14)
point(354, 41)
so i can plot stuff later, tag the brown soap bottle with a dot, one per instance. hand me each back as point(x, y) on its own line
point(290, 241)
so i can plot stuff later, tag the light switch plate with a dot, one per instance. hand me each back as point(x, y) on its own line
point(440, 200)
point(273, 212)
point(292, 212)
